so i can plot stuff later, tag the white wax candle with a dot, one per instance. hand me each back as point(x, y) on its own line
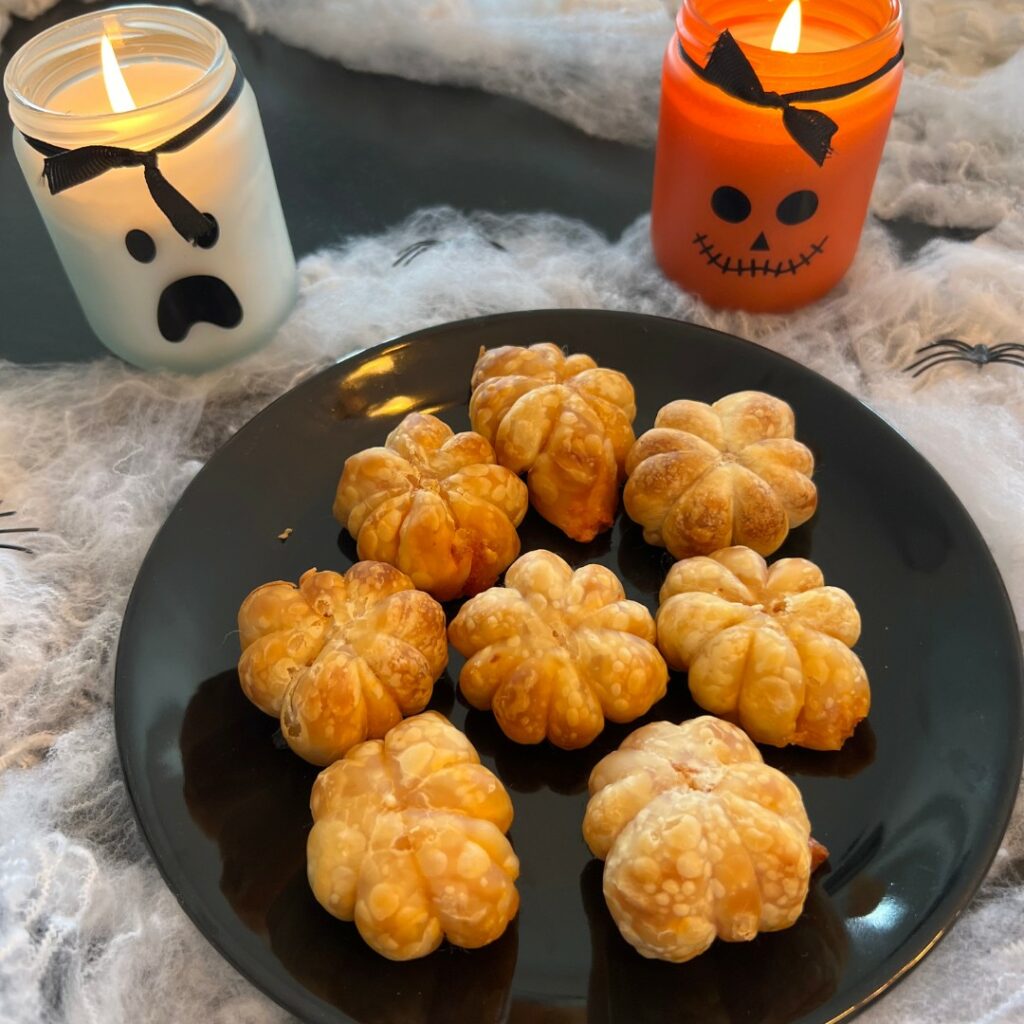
point(153, 297)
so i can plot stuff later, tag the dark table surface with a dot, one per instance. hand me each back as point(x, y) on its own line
point(353, 153)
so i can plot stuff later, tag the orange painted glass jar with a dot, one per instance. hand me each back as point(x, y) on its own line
point(761, 185)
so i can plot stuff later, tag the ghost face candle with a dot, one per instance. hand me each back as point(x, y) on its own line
point(772, 124)
point(142, 146)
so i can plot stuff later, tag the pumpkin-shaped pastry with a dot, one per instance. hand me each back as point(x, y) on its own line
point(700, 839)
point(340, 658)
point(409, 841)
point(434, 504)
point(766, 648)
point(563, 421)
point(708, 476)
point(555, 652)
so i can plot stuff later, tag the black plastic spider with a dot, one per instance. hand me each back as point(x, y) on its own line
point(16, 529)
point(410, 252)
point(948, 350)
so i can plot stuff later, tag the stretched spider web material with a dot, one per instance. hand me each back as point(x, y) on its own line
point(97, 454)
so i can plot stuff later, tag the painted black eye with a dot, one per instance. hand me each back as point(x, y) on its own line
point(140, 245)
point(209, 240)
point(730, 204)
point(797, 207)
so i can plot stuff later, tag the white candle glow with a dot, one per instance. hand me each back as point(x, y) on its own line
point(207, 273)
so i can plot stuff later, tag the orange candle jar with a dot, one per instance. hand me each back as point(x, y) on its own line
point(766, 158)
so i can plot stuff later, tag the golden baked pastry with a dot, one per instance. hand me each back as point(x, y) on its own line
point(340, 658)
point(554, 652)
point(563, 421)
point(700, 839)
point(409, 841)
point(767, 648)
point(435, 505)
point(708, 476)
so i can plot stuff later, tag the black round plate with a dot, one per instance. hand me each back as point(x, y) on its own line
point(912, 808)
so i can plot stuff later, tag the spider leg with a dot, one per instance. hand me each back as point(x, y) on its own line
point(422, 243)
point(16, 529)
point(1005, 357)
point(934, 360)
point(1007, 346)
point(931, 353)
point(410, 252)
point(962, 346)
point(931, 357)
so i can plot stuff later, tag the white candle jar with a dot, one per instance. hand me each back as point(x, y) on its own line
point(161, 202)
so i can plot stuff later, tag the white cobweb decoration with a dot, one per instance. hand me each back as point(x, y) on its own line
point(96, 455)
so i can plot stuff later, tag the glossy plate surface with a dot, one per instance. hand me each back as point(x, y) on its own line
point(912, 808)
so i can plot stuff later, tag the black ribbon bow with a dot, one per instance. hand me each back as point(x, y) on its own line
point(729, 69)
point(66, 168)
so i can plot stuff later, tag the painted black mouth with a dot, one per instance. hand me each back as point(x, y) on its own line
point(193, 300)
point(764, 268)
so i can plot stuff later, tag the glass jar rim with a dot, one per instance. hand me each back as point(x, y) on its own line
point(753, 51)
point(195, 25)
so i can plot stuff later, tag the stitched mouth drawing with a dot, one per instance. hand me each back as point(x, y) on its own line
point(197, 299)
point(732, 205)
point(754, 267)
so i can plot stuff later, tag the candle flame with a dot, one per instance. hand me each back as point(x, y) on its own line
point(113, 81)
point(787, 35)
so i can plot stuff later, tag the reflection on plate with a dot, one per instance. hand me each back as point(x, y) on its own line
point(451, 986)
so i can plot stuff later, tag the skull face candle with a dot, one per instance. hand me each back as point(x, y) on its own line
point(142, 146)
point(772, 124)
